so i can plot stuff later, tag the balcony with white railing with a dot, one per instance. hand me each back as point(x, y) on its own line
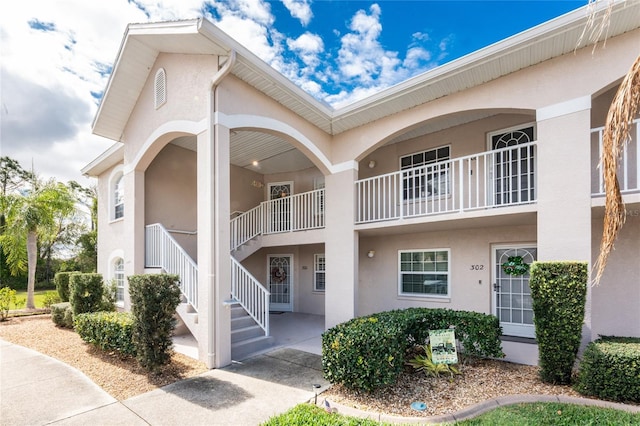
point(629, 164)
point(298, 212)
point(498, 178)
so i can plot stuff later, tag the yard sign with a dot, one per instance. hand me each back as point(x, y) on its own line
point(443, 346)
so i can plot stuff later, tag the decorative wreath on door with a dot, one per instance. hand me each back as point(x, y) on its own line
point(515, 266)
point(278, 274)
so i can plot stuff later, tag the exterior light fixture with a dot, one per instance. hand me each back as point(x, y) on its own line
point(372, 164)
point(371, 253)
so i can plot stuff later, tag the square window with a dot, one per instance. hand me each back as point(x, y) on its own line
point(424, 272)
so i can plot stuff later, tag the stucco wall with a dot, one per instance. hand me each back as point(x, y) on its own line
point(110, 232)
point(470, 288)
point(466, 139)
point(616, 301)
point(171, 195)
point(305, 300)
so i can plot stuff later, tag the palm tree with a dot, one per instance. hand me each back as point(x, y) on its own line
point(624, 108)
point(29, 214)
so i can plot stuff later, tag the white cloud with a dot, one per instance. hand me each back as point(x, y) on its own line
point(299, 9)
point(308, 47)
point(56, 62)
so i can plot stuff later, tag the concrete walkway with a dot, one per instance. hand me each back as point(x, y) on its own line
point(38, 390)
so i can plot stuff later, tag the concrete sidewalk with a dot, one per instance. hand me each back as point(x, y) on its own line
point(38, 390)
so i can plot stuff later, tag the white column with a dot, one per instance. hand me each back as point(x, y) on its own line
point(341, 248)
point(564, 186)
point(214, 261)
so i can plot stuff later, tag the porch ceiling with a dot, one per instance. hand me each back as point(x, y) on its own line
point(143, 42)
point(272, 154)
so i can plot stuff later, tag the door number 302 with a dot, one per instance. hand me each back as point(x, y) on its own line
point(477, 268)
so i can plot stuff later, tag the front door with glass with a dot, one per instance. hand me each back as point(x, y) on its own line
point(280, 282)
point(512, 295)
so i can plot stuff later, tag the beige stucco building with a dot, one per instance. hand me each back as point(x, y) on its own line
point(261, 197)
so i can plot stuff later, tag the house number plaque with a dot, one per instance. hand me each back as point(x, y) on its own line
point(477, 267)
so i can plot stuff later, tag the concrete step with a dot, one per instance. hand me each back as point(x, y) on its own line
point(246, 333)
point(242, 322)
point(187, 318)
point(238, 311)
point(250, 347)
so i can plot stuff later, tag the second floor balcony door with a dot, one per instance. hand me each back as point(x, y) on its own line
point(279, 217)
point(513, 171)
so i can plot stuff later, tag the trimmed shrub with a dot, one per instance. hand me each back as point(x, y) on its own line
point(558, 290)
point(7, 298)
point(154, 298)
point(85, 293)
point(369, 352)
point(62, 314)
point(610, 369)
point(110, 331)
point(50, 298)
point(61, 280)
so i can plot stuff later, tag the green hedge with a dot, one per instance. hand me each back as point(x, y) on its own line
point(110, 331)
point(610, 369)
point(369, 352)
point(61, 280)
point(7, 298)
point(154, 298)
point(558, 290)
point(85, 293)
point(62, 314)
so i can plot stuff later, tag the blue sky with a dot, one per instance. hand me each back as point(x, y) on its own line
point(56, 56)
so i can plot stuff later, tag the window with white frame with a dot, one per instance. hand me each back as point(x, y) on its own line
point(118, 277)
point(118, 198)
point(319, 272)
point(424, 272)
point(426, 173)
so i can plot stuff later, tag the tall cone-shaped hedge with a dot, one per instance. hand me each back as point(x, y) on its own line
point(558, 290)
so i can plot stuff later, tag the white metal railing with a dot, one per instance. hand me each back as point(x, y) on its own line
point(162, 251)
point(502, 177)
point(297, 212)
point(246, 226)
point(629, 165)
point(251, 295)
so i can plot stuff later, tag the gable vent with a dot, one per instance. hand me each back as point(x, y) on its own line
point(161, 88)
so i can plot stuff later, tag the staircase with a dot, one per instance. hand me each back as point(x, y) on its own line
point(247, 337)
point(250, 300)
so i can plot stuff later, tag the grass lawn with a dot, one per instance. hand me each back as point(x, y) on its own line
point(536, 414)
point(38, 295)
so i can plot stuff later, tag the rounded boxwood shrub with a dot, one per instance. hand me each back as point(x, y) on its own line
point(369, 352)
point(110, 331)
point(85, 293)
point(610, 369)
point(61, 280)
point(62, 314)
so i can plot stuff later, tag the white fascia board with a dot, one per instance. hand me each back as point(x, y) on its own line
point(112, 156)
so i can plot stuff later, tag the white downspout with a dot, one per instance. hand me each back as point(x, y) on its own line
point(215, 81)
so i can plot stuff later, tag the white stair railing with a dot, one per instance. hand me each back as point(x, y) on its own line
point(246, 227)
point(251, 295)
point(299, 212)
point(162, 251)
